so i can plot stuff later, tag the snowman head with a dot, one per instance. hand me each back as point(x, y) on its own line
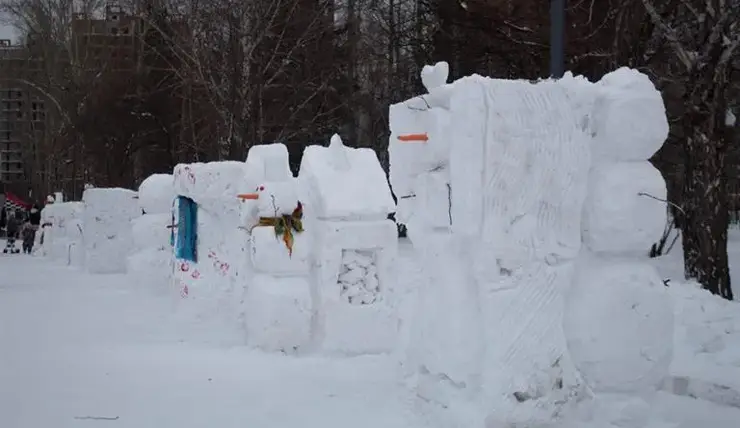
point(272, 199)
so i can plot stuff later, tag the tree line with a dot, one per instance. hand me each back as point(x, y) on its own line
point(209, 78)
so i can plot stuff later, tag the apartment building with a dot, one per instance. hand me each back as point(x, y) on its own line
point(22, 113)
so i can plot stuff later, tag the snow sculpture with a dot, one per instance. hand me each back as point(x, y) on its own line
point(495, 211)
point(623, 216)
point(151, 262)
point(62, 232)
point(106, 226)
point(207, 253)
point(278, 307)
point(355, 245)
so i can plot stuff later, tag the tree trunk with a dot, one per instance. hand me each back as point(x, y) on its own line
point(706, 201)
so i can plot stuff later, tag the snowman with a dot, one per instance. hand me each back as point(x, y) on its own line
point(278, 302)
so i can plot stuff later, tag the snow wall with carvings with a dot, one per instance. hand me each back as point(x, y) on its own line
point(518, 197)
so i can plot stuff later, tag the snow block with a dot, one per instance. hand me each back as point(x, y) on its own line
point(150, 231)
point(624, 215)
point(278, 313)
point(206, 183)
point(107, 228)
point(157, 193)
point(270, 162)
point(270, 254)
point(63, 231)
point(407, 159)
point(353, 277)
point(519, 171)
point(346, 183)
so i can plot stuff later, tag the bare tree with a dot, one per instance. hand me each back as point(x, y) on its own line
point(703, 37)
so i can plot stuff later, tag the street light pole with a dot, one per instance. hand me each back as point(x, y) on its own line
point(557, 38)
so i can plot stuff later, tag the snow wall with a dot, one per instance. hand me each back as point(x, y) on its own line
point(210, 286)
point(61, 227)
point(106, 226)
point(151, 259)
point(326, 285)
point(499, 182)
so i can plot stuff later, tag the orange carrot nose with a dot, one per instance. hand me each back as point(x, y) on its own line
point(413, 138)
point(249, 196)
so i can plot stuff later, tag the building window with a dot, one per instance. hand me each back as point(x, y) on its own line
point(114, 30)
point(187, 229)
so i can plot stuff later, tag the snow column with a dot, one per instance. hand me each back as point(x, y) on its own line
point(619, 322)
point(278, 308)
point(445, 349)
point(355, 245)
point(152, 258)
point(106, 226)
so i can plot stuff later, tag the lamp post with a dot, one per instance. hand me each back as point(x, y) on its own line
point(557, 38)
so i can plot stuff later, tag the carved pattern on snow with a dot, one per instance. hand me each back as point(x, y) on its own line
point(358, 277)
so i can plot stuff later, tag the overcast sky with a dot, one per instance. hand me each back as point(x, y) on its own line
point(6, 32)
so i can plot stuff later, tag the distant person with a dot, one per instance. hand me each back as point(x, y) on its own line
point(34, 220)
point(28, 234)
point(11, 233)
point(34, 215)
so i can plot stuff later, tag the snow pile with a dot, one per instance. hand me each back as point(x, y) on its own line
point(62, 232)
point(494, 212)
point(355, 247)
point(707, 346)
point(106, 224)
point(212, 287)
point(278, 308)
point(151, 260)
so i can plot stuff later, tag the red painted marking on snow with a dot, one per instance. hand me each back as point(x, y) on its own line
point(184, 267)
point(184, 291)
point(195, 274)
point(218, 264)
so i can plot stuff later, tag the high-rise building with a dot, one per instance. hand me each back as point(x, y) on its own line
point(22, 114)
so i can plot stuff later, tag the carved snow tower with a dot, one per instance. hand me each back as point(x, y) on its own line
point(278, 308)
point(355, 244)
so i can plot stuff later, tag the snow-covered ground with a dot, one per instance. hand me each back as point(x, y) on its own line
point(79, 350)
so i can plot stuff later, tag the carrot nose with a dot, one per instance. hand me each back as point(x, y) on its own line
point(248, 196)
point(413, 138)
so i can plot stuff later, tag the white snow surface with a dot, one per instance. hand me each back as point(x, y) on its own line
point(76, 346)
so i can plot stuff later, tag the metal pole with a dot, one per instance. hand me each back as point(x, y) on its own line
point(557, 38)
